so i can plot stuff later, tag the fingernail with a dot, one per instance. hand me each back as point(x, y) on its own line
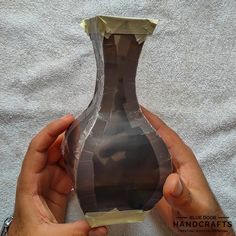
point(66, 116)
point(177, 189)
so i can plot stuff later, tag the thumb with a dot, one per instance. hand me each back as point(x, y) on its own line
point(99, 231)
point(178, 195)
point(80, 228)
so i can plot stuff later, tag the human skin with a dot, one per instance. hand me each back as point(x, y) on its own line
point(43, 188)
point(186, 191)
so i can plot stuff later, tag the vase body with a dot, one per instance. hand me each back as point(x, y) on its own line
point(115, 157)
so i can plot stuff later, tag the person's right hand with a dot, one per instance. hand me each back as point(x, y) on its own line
point(186, 191)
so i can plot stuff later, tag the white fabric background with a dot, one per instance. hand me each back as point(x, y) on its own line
point(186, 75)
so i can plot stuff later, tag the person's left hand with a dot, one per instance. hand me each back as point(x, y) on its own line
point(43, 188)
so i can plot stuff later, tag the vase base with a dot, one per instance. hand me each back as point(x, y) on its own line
point(114, 216)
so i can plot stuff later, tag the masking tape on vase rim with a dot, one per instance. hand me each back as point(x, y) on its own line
point(107, 25)
point(114, 216)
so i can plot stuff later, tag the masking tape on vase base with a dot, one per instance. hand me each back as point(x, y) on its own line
point(115, 216)
point(107, 25)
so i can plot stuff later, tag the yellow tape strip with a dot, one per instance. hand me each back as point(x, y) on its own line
point(115, 216)
point(107, 25)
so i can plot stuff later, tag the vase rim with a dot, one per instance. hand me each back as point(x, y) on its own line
point(107, 25)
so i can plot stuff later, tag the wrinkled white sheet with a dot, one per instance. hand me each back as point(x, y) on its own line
point(186, 75)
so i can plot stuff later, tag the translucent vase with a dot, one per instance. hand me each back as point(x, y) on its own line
point(115, 157)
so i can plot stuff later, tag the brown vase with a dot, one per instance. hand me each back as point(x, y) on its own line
point(115, 157)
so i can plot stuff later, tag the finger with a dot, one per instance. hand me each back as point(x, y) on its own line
point(179, 196)
point(46, 137)
point(80, 227)
point(182, 156)
point(170, 138)
point(54, 152)
point(179, 151)
point(100, 231)
point(35, 158)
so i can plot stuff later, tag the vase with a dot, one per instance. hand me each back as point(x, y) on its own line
point(115, 157)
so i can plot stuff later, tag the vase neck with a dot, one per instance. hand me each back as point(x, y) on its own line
point(121, 53)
